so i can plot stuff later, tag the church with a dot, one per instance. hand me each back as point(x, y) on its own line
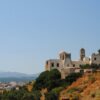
point(66, 66)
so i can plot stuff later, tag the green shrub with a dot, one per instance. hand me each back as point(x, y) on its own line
point(72, 77)
point(75, 89)
point(51, 96)
point(28, 96)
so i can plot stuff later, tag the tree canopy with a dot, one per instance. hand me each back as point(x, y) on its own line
point(48, 80)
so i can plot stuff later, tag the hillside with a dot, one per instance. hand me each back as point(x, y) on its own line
point(85, 88)
point(50, 86)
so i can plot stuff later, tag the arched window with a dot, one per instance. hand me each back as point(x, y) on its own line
point(62, 57)
point(47, 63)
point(95, 58)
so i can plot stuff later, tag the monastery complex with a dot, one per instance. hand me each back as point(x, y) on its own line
point(66, 66)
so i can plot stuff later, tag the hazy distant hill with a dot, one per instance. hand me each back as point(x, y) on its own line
point(16, 76)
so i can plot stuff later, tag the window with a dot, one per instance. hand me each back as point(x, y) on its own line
point(95, 58)
point(52, 64)
point(57, 64)
point(47, 63)
point(63, 57)
point(73, 65)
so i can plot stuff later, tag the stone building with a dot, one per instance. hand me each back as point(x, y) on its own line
point(66, 66)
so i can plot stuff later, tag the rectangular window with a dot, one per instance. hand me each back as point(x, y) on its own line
point(57, 64)
point(52, 64)
point(47, 63)
point(73, 65)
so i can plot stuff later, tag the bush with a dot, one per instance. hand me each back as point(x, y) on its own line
point(37, 95)
point(20, 95)
point(72, 77)
point(28, 96)
point(87, 66)
point(92, 66)
point(51, 96)
point(75, 89)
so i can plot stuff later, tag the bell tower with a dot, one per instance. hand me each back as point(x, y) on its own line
point(82, 54)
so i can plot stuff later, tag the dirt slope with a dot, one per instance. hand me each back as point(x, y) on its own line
point(85, 88)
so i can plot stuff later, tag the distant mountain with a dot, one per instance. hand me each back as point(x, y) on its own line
point(16, 74)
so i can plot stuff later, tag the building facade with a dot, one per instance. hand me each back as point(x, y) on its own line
point(66, 65)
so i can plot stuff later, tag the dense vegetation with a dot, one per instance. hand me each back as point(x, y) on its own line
point(93, 67)
point(21, 94)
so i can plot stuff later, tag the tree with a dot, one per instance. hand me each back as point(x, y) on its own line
point(41, 81)
point(37, 95)
point(47, 80)
point(53, 79)
point(54, 74)
point(28, 96)
point(51, 96)
point(9, 96)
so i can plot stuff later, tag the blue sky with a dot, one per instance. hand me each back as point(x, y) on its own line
point(32, 31)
